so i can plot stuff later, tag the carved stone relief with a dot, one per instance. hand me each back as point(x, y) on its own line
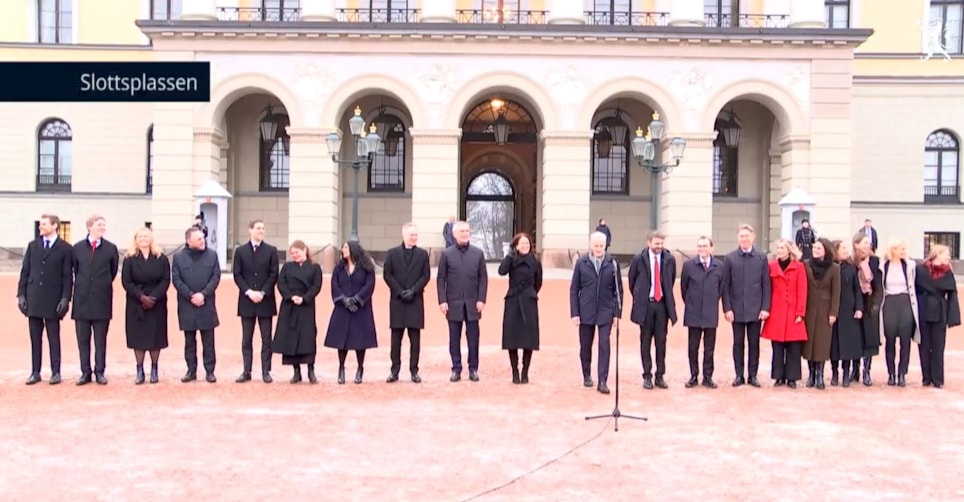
point(437, 84)
point(313, 84)
point(568, 88)
point(691, 87)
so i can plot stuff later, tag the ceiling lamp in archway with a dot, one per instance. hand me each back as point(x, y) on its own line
point(500, 128)
point(270, 124)
point(731, 131)
point(604, 142)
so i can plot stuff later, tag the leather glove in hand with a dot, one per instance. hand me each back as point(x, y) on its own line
point(22, 304)
point(346, 302)
point(62, 308)
point(408, 295)
point(353, 308)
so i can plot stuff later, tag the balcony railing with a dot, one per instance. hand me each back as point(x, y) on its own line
point(53, 182)
point(505, 16)
point(378, 15)
point(609, 18)
point(747, 21)
point(255, 14)
point(942, 194)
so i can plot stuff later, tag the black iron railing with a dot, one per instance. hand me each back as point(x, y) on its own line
point(942, 194)
point(504, 16)
point(747, 21)
point(258, 14)
point(53, 182)
point(609, 18)
point(378, 15)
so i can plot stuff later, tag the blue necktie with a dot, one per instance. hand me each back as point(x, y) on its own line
point(46, 244)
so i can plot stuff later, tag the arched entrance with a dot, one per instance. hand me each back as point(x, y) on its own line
point(490, 210)
point(499, 173)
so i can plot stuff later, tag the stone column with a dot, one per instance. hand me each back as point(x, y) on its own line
point(772, 215)
point(438, 11)
point(199, 10)
point(172, 198)
point(318, 10)
point(566, 178)
point(435, 182)
point(686, 13)
point(313, 194)
point(807, 14)
point(686, 194)
point(565, 12)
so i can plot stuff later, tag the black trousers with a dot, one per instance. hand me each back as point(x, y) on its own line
point(708, 335)
point(654, 329)
point(415, 348)
point(455, 342)
point(899, 323)
point(207, 345)
point(99, 331)
point(247, 342)
point(786, 361)
point(746, 334)
point(931, 349)
point(36, 327)
point(586, 334)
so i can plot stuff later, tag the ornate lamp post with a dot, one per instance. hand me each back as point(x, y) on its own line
point(647, 150)
point(366, 146)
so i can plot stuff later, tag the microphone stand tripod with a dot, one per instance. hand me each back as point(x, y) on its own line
point(616, 414)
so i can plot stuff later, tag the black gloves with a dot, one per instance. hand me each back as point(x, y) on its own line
point(346, 302)
point(22, 304)
point(407, 295)
point(353, 307)
point(62, 308)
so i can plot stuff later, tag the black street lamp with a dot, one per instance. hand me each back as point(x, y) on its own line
point(366, 147)
point(647, 151)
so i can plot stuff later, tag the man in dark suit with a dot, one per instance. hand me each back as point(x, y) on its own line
point(463, 283)
point(746, 302)
point(195, 274)
point(255, 270)
point(447, 230)
point(869, 230)
point(701, 285)
point(603, 228)
point(595, 303)
point(95, 262)
point(652, 274)
point(43, 294)
point(406, 272)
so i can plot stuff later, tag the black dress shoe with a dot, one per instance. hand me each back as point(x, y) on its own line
point(358, 375)
point(139, 378)
point(834, 378)
point(780, 382)
point(34, 379)
point(474, 375)
point(341, 375)
point(55, 379)
point(647, 383)
point(154, 376)
point(753, 382)
point(416, 378)
point(708, 383)
point(210, 378)
point(392, 377)
point(901, 381)
point(661, 383)
point(692, 382)
point(525, 376)
point(243, 377)
point(101, 379)
point(891, 380)
point(312, 378)
point(587, 381)
point(456, 376)
point(738, 381)
point(84, 379)
point(792, 384)
point(190, 376)
point(296, 376)
point(266, 377)
point(603, 389)
point(938, 385)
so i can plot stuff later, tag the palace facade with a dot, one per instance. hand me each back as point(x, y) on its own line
point(516, 115)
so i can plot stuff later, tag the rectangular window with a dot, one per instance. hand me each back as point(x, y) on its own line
point(725, 169)
point(721, 13)
point(950, 239)
point(837, 13)
point(946, 26)
point(55, 21)
point(63, 231)
point(166, 10)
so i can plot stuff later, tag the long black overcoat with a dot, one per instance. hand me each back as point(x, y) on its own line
point(196, 271)
point(94, 273)
point(46, 277)
point(146, 329)
point(462, 281)
point(352, 330)
point(701, 290)
point(746, 285)
point(406, 270)
point(520, 321)
point(297, 331)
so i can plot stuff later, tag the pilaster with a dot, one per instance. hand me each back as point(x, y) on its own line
point(686, 194)
point(435, 181)
point(172, 198)
point(313, 193)
point(565, 175)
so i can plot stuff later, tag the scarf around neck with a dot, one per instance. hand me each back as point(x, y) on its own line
point(820, 267)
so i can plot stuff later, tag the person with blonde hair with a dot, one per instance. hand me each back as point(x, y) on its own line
point(145, 276)
point(95, 262)
point(785, 327)
point(939, 310)
point(898, 312)
point(846, 344)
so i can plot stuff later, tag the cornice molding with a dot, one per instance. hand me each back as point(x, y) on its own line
point(566, 138)
point(210, 134)
point(308, 134)
point(435, 136)
point(794, 142)
point(696, 139)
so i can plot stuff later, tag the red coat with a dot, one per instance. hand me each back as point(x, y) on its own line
point(789, 300)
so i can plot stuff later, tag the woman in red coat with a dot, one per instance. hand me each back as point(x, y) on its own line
point(785, 327)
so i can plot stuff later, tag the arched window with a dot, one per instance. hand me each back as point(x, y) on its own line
point(150, 159)
point(54, 156)
point(55, 21)
point(490, 212)
point(387, 173)
point(275, 158)
point(726, 168)
point(942, 154)
point(166, 10)
point(610, 157)
point(280, 10)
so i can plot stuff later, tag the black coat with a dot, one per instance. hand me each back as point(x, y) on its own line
point(701, 290)
point(804, 241)
point(196, 271)
point(937, 300)
point(640, 280)
point(847, 339)
point(746, 285)
point(46, 277)
point(258, 272)
point(406, 270)
point(520, 321)
point(593, 297)
point(352, 330)
point(146, 329)
point(94, 273)
point(462, 281)
point(604, 229)
point(297, 330)
point(872, 304)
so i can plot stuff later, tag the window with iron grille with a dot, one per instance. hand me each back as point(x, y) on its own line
point(54, 156)
point(387, 172)
point(950, 239)
point(610, 157)
point(942, 155)
point(275, 160)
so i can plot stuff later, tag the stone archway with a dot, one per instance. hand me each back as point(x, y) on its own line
point(491, 211)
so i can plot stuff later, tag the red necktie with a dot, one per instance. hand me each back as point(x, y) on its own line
point(93, 248)
point(657, 282)
point(706, 266)
point(255, 248)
